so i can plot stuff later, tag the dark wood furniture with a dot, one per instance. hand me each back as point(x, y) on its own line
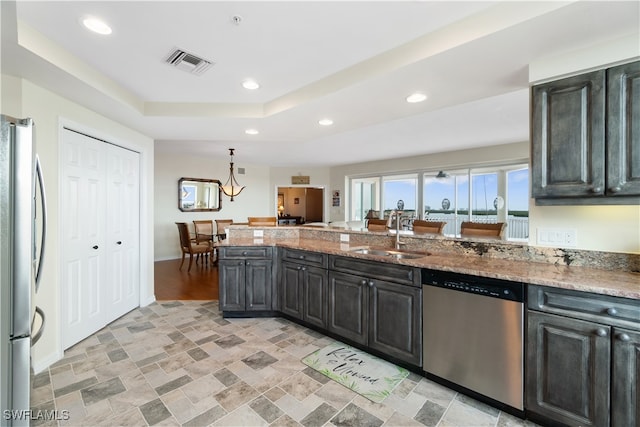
point(585, 138)
point(245, 278)
point(583, 358)
point(303, 286)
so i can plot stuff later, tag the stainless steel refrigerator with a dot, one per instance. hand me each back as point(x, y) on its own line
point(22, 235)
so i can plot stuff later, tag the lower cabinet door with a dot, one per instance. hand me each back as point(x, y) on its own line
point(258, 283)
point(625, 400)
point(348, 304)
point(315, 296)
point(395, 320)
point(291, 290)
point(231, 278)
point(568, 369)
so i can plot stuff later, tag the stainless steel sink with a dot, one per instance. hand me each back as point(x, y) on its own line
point(389, 253)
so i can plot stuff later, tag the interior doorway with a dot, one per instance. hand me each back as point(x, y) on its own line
point(303, 203)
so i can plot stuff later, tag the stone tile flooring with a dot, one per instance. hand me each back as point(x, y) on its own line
point(181, 363)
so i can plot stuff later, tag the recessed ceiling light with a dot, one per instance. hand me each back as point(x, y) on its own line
point(326, 122)
point(416, 97)
point(96, 25)
point(250, 84)
point(251, 132)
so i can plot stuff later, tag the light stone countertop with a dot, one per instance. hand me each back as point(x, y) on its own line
point(585, 279)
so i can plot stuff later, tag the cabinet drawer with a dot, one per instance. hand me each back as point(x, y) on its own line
point(583, 305)
point(375, 269)
point(245, 252)
point(305, 257)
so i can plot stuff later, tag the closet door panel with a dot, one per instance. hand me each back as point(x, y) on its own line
point(83, 237)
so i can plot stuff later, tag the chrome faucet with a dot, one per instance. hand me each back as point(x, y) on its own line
point(397, 213)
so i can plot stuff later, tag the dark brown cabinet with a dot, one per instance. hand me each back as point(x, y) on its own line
point(245, 279)
point(303, 286)
point(585, 138)
point(583, 358)
point(382, 314)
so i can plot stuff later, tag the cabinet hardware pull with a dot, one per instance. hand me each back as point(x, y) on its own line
point(624, 337)
point(95, 246)
point(304, 268)
point(601, 332)
point(301, 256)
point(612, 311)
point(596, 189)
point(371, 283)
point(615, 189)
point(119, 242)
point(244, 253)
point(363, 282)
point(299, 268)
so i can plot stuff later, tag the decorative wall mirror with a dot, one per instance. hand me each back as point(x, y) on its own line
point(199, 195)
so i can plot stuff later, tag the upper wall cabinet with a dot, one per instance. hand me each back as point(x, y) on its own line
point(585, 138)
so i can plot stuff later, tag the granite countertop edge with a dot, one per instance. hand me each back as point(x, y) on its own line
point(585, 279)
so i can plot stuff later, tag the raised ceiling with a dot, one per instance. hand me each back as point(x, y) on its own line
point(353, 62)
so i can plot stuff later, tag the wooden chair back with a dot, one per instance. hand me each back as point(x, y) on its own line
point(221, 224)
point(203, 230)
point(190, 247)
point(428, 227)
point(262, 220)
point(376, 224)
point(495, 230)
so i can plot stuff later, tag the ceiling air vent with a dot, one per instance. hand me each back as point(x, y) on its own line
point(188, 62)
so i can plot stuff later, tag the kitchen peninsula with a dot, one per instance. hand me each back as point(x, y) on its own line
point(361, 293)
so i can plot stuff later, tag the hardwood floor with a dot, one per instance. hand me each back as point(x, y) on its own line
point(201, 283)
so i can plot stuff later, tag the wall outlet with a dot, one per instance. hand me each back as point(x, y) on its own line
point(563, 237)
point(344, 238)
point(258, 233)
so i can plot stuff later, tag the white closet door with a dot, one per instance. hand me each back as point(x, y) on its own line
point(123, 230)
point(100, 234)
point(83, 237)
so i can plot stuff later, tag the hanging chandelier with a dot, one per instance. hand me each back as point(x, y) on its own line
point(231, 188)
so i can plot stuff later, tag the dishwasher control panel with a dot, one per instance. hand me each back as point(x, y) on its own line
point(494, 288)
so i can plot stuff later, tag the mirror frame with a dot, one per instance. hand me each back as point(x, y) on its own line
point(214, 181)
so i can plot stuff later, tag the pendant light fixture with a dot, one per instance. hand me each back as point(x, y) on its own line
point(231, 188)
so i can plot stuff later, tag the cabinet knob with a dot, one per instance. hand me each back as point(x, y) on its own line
point(95, 246)
point(624, 337)
point(612, 311)
point(601, 332)
point(298, 268)
point(304, 268)
point(615, 189)
point(119, 242)
point(244, 253)
point(301, 257)
point(363, 282)
point(596, 190)
point(370, 283)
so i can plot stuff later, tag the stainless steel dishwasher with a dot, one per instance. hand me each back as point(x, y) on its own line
point(473, 334)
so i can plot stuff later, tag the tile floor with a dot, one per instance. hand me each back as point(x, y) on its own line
point(181, 363)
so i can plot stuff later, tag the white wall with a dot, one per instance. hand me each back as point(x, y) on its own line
point(170, 167)
point(48, 111)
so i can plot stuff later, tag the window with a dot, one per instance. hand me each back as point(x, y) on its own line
point(364, 197)
point(400, 187)
point(488, 194)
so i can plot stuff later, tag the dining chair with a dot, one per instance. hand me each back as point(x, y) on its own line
point(428, 227)
point(221, 224)
point(190, 247)
point(377, 224)
point(262, 220)
point(203, 230)
point(493, 230)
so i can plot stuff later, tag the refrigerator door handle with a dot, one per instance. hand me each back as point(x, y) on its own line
point(35, 337)
point(43, 237)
